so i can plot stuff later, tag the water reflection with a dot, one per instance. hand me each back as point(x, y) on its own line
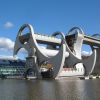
point(64, 89)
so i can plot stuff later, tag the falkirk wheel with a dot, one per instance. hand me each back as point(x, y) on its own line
point(60, 51)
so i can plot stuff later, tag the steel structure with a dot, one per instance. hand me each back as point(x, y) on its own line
point(60, 51)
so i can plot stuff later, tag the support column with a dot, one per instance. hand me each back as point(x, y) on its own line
point(31, 63)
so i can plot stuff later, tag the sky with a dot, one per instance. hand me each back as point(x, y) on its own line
point(46, 16)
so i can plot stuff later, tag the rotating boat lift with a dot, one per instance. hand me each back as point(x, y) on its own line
point(60, 51)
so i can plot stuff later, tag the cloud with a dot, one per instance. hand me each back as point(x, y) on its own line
point(22, 50)
point(6, 44)
point(8, 25)
point(8, 57)
point(85, 53)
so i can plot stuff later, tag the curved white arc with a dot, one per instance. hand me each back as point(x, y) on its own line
point(89, 63)
point(78, 29)
point(18, 44)
point(23, 27)
point(27, 46)
point(97, 65)
point(74, 59)
point(34, 42)
point(58, 61)
point(67, 48)
point(80, 36)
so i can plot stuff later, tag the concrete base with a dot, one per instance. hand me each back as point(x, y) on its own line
point(89, 77)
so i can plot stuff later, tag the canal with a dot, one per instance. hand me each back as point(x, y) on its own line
point(63, 89)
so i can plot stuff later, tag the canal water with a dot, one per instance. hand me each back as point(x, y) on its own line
point(63, 89)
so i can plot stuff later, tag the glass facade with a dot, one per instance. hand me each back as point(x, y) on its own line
point(12, 67)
